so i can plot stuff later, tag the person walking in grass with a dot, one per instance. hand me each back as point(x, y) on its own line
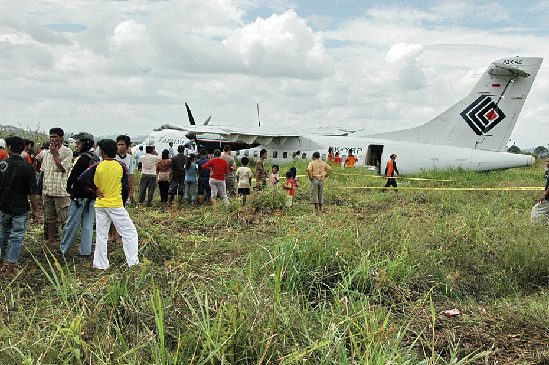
point(390, 171)
point(17, 187)
point(110, 181)
point(81, 209)
point(244, 179)
point(318, 171)
point(218, 169)
point(56, 165)
point(149, 162)
point(177, 184)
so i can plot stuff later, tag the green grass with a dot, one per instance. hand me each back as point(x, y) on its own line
point(365, 282)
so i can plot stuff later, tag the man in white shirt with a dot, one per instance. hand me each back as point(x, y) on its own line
point(149, 162)
point(123, 143)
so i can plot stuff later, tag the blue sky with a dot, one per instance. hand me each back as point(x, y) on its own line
point(129, 66)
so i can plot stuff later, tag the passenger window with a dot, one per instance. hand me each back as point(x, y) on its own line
point(247, 153)
point(256, 153)
point(238, 152)
point(303, 155)
point(275, 154)
point(284, 154)
point(324, 156)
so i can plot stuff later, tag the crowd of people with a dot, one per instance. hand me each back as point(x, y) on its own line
point(91, 186)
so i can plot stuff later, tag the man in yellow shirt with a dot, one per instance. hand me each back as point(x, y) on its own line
point(318, 170)
point(110, 179)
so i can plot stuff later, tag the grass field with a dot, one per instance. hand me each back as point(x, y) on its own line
point(365, 282)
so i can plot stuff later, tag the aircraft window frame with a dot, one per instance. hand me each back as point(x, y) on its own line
point(323, 157)
point(304, 155)
point(275, 154)
point(285, 154)
point(247, 153)
point(256, 153)
point(237, 152)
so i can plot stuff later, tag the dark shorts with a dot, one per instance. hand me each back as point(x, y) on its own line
point(204, 187)
point(243, 191)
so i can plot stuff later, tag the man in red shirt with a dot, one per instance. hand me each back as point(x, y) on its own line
point(218, 169)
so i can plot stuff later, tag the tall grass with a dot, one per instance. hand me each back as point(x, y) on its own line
point(362, 283)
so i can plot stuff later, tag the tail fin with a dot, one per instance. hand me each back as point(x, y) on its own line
point(486, 117)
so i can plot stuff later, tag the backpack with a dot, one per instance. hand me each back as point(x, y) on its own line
point(94, 159)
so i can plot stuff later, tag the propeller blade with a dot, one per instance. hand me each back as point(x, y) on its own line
point(191, 118)
point(207, 120)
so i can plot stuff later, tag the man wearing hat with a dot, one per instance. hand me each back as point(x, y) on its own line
point(81, 209)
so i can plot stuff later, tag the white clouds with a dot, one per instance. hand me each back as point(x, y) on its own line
point(135, 63)
point(280, 45)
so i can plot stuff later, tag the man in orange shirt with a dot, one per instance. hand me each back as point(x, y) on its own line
point(337, 159)
point(350, 160)
point(390, 170)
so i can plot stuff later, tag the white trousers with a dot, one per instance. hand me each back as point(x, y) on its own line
point(125, 228)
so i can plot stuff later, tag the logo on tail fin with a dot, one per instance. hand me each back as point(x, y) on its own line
point(482, 115)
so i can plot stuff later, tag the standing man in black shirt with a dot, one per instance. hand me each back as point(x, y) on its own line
point(81, 209)
point(17, 185)
point(177, 185)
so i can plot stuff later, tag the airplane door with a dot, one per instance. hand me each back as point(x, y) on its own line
point(373, 156)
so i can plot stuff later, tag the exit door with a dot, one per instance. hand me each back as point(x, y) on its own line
point(373, 156)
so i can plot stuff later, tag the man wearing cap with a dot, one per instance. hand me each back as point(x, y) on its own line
point(17, 185)
point(56, 165)
point(81, 209)
point(3, 153)
point(390, 171)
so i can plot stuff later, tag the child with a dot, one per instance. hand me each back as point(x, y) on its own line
point(275, 177)
point(293, 170)
point(244, 178)
point(291, 187)
point(191, 179)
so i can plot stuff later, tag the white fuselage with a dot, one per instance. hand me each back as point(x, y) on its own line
point(412, 157)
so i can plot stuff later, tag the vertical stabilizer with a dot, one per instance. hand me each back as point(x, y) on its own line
point(486, 117)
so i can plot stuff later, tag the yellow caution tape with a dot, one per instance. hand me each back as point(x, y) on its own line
point(400, 177)
point(508, 188)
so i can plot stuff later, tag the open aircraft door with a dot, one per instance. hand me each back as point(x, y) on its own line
point(373, 157)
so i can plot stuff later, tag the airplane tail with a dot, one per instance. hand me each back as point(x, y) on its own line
point(486, 117)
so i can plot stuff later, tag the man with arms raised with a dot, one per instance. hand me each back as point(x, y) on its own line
point(17, 185)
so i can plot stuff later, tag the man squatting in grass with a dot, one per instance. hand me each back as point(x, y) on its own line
point(110, 179)
point(318, 171)
point(17, 185)
point(81, 208)
point(56, 165)
point(219, 168)
point(541, 209)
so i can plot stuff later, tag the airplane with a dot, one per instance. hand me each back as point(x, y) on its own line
point(472, 134)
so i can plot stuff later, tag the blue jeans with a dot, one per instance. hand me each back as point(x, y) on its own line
point(12, 232)
point(82, 211)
